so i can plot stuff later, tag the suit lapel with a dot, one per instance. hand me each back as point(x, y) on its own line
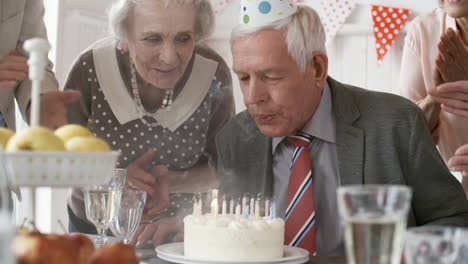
point(349, 138)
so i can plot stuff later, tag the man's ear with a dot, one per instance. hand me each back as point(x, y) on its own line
point(320, 63)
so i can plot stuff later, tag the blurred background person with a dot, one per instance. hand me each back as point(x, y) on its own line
point(435, 52)
point(159, 96)
point(20, 21)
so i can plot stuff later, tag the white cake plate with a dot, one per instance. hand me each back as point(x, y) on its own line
point(174, 252)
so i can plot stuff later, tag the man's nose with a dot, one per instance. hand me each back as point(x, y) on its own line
point(254, 92)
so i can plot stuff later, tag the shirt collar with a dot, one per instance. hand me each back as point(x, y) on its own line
point(321, 125)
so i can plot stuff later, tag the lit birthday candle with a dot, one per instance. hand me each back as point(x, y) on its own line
point(214, 203)
point(238, 212)
point(267, 207)
point(273, 210)
point(252, 206)
point(245, 214)
point(195, 206)
point(244, 203)
point(200, 204)
point(257, 208)
point(231, 206)
point(224, 206)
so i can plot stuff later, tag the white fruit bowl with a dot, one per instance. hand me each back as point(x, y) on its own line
point(59, 169)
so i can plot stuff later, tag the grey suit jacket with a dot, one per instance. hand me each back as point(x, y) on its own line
point(380, 139)
point(21, 20)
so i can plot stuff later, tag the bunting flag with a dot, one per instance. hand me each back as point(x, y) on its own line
point(388, 22)
point(333, 14)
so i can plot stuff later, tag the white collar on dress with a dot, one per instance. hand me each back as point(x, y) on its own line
point(121, 102)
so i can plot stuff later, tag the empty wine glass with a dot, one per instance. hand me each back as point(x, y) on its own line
point(102, 203)
point(128, 217)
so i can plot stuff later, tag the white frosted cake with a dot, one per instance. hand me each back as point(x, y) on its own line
point(230, 238)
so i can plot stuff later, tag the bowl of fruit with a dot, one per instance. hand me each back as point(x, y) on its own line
point(70, 156)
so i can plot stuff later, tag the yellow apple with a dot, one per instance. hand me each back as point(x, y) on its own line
point(87, 144)
point(70, 131)
point(5, 135)
point(35, 139)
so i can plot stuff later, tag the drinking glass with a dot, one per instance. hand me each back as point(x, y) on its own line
point(374, 218)
point(434, 245)
point(128, 217)
point(102, 203)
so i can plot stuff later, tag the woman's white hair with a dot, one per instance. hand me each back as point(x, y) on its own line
point(120, 10)
point(305, 34)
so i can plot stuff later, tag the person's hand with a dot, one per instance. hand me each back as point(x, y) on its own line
point(13, 69)
point(138, 178)
point(153, 183)
point(452, 60)
point(459, 162)
point(453, 97)
point(160, 199)
point(54, 108)
point(165, 230)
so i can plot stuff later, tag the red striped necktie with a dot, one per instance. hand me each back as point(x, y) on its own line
point(300, 213)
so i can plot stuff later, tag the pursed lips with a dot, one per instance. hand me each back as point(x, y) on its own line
point(165, 70)
point(263, 117)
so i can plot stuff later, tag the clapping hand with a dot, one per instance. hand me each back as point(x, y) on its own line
point(452, 60)
point(453, 97)
point(452, 71)
point(13, 69)
point(459, 162)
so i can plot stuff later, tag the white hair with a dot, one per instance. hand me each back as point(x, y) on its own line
point(305, 34)
point(119, 14)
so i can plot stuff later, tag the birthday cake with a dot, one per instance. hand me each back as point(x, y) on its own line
point(240, 235)
point(225, 238)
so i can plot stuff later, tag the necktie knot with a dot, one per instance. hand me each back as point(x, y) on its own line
point(300, 139)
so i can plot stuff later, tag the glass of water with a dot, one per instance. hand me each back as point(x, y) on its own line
point(102, 203)
point(128, 217)
point(374, 218)
point(435, 245)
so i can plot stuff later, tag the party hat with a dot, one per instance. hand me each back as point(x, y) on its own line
point(257, 13)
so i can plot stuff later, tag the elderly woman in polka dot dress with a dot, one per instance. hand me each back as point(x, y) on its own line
point(159, 97)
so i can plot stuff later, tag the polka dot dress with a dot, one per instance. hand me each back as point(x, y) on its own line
point(387, 25)
point(179, 150)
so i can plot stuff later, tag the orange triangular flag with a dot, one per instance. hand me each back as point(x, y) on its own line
point(388, 22)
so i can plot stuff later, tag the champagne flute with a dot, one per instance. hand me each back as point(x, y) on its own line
point(102, 203)
point(127, 220)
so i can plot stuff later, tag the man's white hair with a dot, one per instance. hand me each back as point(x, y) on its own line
point(120, 10)
point(305, 34)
